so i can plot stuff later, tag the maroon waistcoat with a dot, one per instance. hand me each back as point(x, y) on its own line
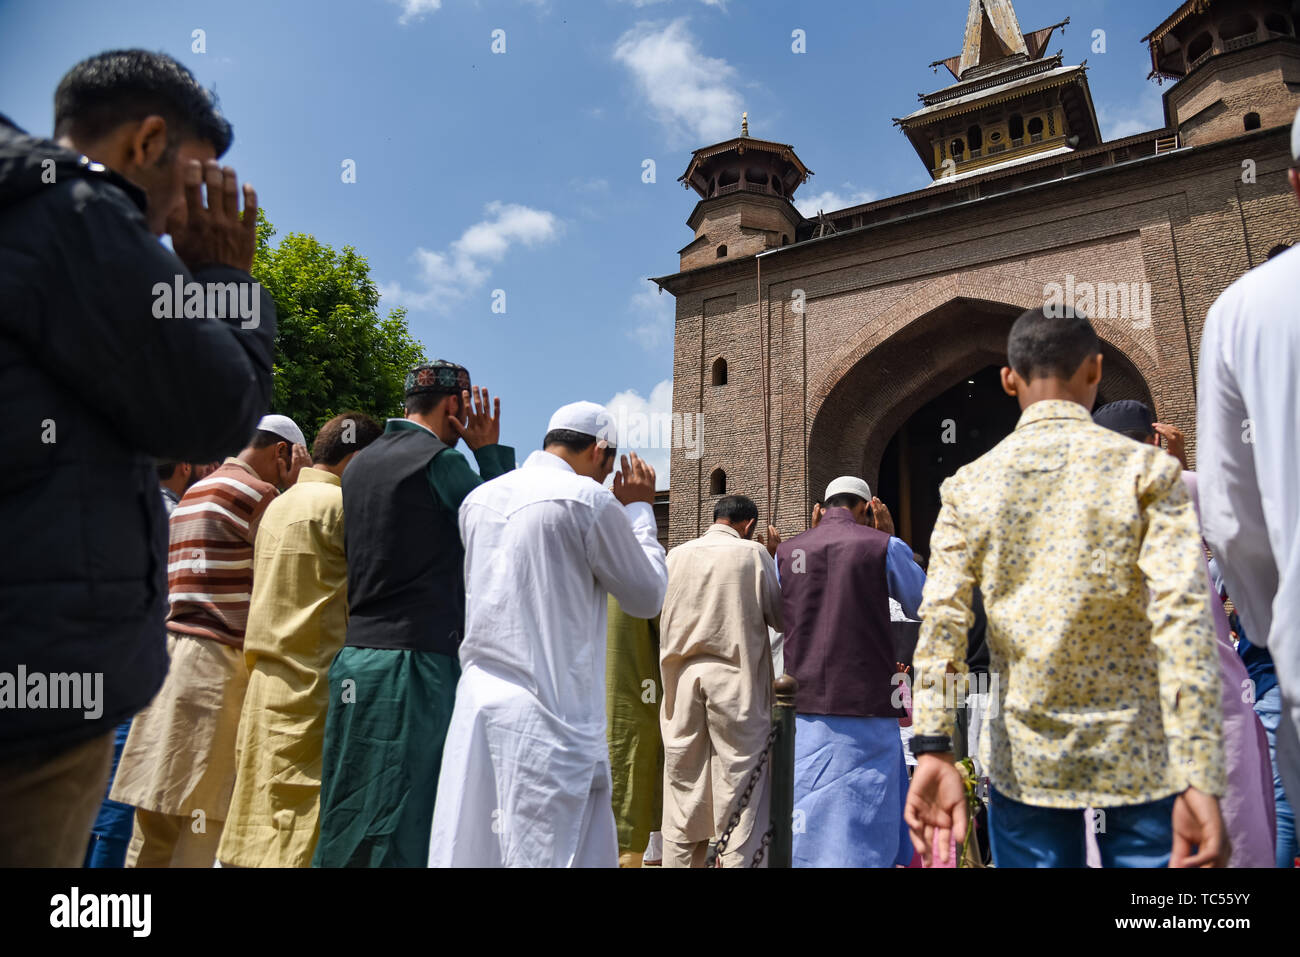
point(838, 643)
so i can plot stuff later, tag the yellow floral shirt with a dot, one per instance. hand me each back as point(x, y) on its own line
point(1104, 696)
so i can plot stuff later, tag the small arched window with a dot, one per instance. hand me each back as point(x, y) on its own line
point(1036, 126)
point(718, 482)
point(958, 148)
point(1016, 126)
point(976, 137)
point(785, 240)
point(1251, 121)
point(719, 371)
point(722, 251)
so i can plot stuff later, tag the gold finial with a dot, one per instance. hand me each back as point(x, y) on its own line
point(744, 123)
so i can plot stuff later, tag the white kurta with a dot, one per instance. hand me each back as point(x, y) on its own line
point(1248, 464)
point(525, 778)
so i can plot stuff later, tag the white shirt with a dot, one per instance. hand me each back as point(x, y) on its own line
point(1248, 458)
point(526, 752)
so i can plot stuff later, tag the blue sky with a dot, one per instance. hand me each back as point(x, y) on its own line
point(522, 170)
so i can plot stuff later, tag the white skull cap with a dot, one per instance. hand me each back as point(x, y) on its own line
point(283, 426)
point(847, 483)
point(586, 418)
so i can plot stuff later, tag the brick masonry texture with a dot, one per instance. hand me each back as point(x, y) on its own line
point(898, 312)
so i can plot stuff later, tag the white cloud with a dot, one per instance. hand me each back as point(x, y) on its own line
point(830, 200)
point(413, 10)
point(654, 315)
point(1145, 113)
point(645, 426)
point(691, 95)
point(448, 276)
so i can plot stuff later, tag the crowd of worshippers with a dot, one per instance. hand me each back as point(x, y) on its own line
point(375, 654)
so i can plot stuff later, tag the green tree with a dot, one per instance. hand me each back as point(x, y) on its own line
point(333, 351)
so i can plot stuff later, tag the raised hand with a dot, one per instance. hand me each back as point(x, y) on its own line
point(1175, 441)
point(772, 541)
point(881, 520)
point(300, 460)
point(213, 232)
point(479, 427)
point(634, 481)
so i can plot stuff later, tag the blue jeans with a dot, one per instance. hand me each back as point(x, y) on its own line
point(1269, 709)
point(111, 833)
point(1134, 835)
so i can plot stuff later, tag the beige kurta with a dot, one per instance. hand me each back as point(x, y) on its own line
point(716, 662)
point(296, 625)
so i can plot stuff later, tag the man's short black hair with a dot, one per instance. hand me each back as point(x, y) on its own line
point(575, 442)
point(166, 470)
point(736, 509)
point(342, 435)
point(120, 86)
point(1041, 345)
point(422, 403)
point(262, 438)
point(844, 500)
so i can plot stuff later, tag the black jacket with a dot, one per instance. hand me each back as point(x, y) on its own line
point(92, 389)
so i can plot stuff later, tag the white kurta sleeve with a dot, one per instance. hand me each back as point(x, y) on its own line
point(626, 556)
point(1232, 507)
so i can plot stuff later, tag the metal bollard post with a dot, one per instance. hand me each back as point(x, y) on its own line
point(782, 803)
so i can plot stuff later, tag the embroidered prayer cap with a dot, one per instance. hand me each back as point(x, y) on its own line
point(586, 418)
point(439, 376)
point(1126, 415)
point(283, 426)
point(850, 484)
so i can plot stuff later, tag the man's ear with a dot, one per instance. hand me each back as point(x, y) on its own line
point(747, 529)
point(1010, 381)
point(148, 141)
point(1094, 373)
point(1293, 175)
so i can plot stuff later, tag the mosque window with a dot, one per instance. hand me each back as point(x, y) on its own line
point(958, 148)
point(1252, 121)
point(1035, 129)
point(975, 136)
point(718, 482)
point(1016, 128)
point(719, 371)
point(722, 251)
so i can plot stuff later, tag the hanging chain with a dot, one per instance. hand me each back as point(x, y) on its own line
point(715, 854)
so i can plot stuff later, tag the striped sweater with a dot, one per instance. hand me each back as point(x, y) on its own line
point(210, 556)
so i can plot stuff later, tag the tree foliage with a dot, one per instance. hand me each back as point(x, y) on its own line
point(333, 351)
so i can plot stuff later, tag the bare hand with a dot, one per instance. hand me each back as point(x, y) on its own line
point(881, 520)
point(300, 460)
point(1175, 441)
point(478, 428)
point(1197, 822)
point(635, 481)
point(215, 233)
point(936, 806)
point(772, 540)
